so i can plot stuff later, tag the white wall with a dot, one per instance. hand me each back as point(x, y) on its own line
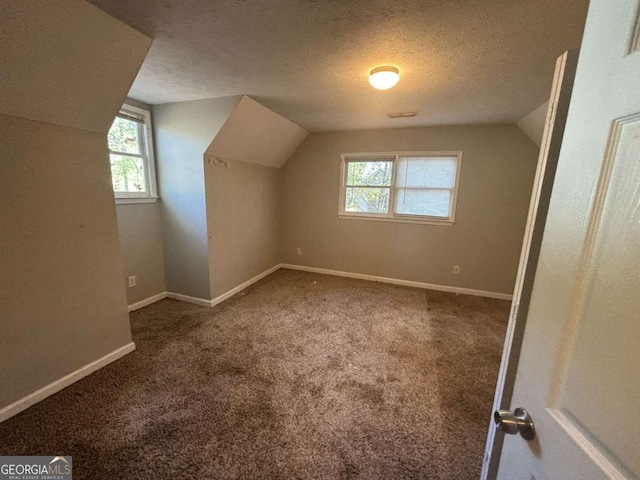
point(243, 212)
point(243, 199)
point(182, 133)
point(64, 303)
point(221, 225)
point(498, 166)
point(140, 232)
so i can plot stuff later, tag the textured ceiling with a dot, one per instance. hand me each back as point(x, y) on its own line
point(460, 61)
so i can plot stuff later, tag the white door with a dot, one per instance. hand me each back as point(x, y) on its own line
point(542, 184)
point(579, 369)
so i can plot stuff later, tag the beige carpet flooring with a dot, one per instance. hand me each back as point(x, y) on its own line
point(301, 376)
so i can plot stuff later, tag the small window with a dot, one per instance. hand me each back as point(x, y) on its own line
point(131, 156)
point(404, 187)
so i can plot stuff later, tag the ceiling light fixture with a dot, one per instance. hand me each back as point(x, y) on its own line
point(384, 78)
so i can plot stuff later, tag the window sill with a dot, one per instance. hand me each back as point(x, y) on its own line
point(124, 201)
point(429, 221)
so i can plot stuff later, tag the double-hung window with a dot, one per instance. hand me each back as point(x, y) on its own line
point(401, 187)
point(131, 156)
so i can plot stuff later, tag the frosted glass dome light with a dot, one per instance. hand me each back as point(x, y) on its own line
point(383, 78)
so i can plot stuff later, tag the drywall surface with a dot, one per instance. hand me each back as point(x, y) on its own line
point(182, 133)
point(66, 62)
point(255, 134)
point(64, 305)
point(243, 212)
point(496, 180)
point(533, 123)
point(140, 231)
point(63, 300)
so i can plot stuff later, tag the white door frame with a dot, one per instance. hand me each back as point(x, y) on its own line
point(543, 182)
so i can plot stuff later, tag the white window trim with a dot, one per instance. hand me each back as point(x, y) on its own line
point(150, 170)
point(391, 216)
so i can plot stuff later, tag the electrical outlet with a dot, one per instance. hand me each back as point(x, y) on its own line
point(456, 270)
point(132, 281)
point(299, 251)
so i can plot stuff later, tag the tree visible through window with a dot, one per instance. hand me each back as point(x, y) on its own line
point(410, 187)
point(368, 186)
point(127, 155)
point(132, 172)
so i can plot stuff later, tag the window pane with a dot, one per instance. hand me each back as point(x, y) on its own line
point(125, 136)
point(426, 172)
point(371, 172)
point(434, 203)
point(367, 200)
point(127, 174)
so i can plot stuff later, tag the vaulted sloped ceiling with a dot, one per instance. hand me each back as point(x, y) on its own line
point(461, 61)
point(66, 63)
point(255, 134)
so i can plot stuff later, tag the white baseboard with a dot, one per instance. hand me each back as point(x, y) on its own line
point(361, 276)
point(406, 283)
point(210, 303)
point(186, 298)
point(147, 301)
point(175, 296)
point(244, 285)
point(54, 387)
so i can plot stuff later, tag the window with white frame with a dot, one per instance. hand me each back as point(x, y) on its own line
point(402, 187)
point(131, 156)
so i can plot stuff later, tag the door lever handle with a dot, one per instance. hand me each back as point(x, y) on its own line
point(518, 421)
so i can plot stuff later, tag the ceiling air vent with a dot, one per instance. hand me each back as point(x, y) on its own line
point(402, 115)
